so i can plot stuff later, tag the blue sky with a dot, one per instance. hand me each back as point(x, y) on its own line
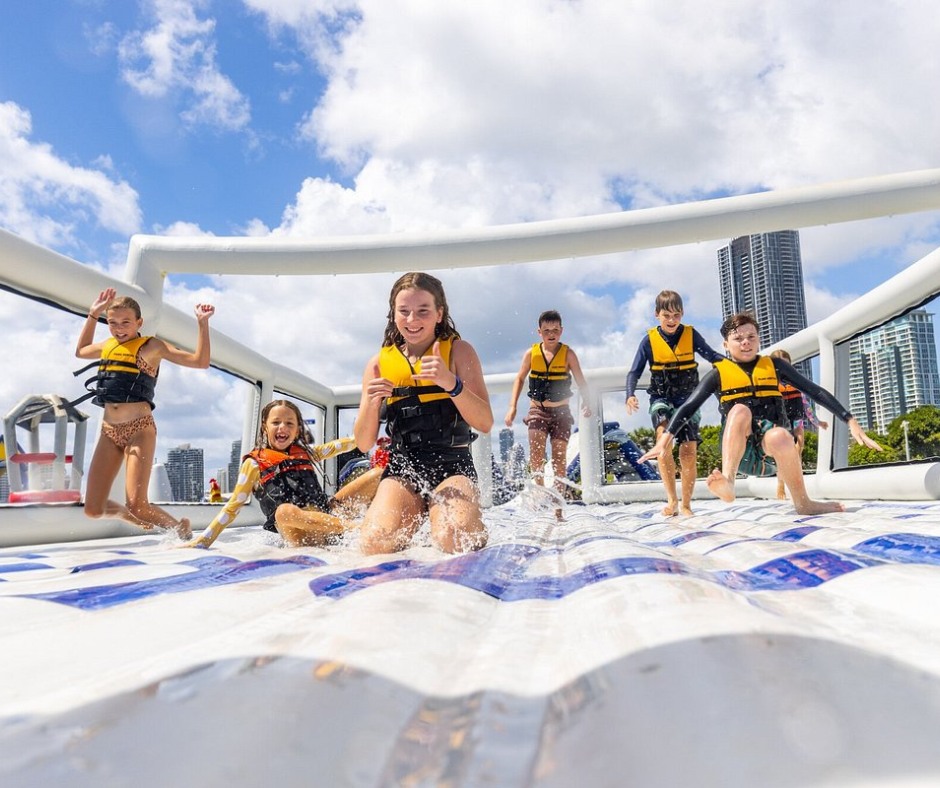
point(324, 117)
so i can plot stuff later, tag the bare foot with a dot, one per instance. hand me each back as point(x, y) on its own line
point(781, 492)
point(720, 486)
point(671, 509)
point(685, 510)
point(183, 530)
point(819, 507)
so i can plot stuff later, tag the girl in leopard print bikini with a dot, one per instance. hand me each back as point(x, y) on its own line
point(127, 374)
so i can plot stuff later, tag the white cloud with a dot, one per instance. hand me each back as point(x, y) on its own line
point(43, 197)
point(450, 114)
point(177, 57)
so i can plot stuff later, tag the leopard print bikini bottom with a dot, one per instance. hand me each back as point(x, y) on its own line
point(121, 434)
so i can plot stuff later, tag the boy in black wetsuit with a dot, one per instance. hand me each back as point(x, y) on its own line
point(754, 424)
point(670, 351)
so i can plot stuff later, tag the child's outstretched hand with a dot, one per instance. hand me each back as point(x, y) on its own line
point(661, 446)
point(860, 437)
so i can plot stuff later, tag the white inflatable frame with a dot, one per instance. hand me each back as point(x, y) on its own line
point(36, 271)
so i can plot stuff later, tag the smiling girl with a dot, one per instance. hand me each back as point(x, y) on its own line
point(428, 383)
point(280, 472)
point(128, 366)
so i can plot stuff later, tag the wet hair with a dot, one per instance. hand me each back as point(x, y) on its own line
point(550, 316)
point(669, 300)
point(737, 320)
point(304, 438)
point(418, 280)
point(124, 302)
point(780, 353)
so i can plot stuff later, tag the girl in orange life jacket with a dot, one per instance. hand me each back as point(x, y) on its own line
point(431, 384)
point(799, 411)
point(280, 472)
point(754, 423)
point(127, 374)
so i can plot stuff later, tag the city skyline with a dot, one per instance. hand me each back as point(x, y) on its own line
point(893, 370)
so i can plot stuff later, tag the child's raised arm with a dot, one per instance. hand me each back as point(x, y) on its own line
point(86, 347)
point(199, 358)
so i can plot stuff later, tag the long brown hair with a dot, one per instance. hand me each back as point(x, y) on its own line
point(418, 280)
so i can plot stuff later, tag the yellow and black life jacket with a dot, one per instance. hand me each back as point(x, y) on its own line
point(421, 415)
point(119, 379)
point(287, 477)
point(760, 388)
point(549, 381)
point(673, 371)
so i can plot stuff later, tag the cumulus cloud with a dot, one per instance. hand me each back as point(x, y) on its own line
point(43, 197)
point(447, 114)
point(177, 57)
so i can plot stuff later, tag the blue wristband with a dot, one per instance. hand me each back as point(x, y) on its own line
point(458, 387)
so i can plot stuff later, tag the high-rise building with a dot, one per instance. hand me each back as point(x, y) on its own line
point(234, 463)
point(506, 440)
point(184, 467)
point(763, 274)
point(893, 369)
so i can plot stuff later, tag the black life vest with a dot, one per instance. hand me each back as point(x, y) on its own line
point(287, 478)
point(420, 414)
point(119, 379)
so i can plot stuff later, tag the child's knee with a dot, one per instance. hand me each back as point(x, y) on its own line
point(778, 440)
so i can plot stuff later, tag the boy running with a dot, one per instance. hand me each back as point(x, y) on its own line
point(755, 432)
point(549, 366)
point(670, 351)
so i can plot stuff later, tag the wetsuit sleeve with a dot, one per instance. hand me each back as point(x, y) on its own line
point(322, 451)
point(248, 476)
point(707, 386)
point(644, 355)
point(816, 393)
point(706, 351)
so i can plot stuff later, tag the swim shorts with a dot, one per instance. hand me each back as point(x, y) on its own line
point(661, 411)
point(555, 422)
point(424, 471)
point(755, 462)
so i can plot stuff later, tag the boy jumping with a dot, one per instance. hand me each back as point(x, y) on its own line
point(754, 425)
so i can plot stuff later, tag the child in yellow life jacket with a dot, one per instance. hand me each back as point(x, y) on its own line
point(429, 384)
point(280, 472)
point(548, 366)
point(755, 432)
point(128, 365)
point(670, 350)
point(799, 411)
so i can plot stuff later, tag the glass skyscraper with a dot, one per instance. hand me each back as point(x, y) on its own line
point(893, 370)
point(763, 274)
